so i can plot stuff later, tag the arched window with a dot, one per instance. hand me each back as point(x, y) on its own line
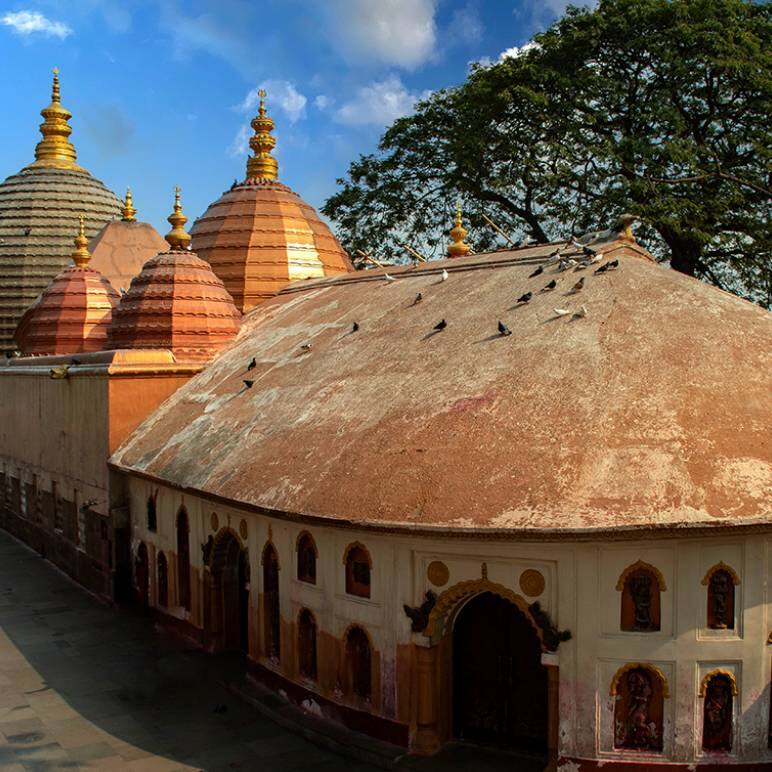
point(641, 585)
point(721, 581)
point(639, 692)
point(183, 558)
point(358, 663)
point(307, 554)
point(358, 568)
point(307, 644)
point(152, 517)
point(163, 581)
point(718, 690)
point(272, 618)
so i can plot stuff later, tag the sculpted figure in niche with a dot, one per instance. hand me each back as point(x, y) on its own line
point(638, 713)
point(717, 715)
point(640, 588)
point(721, 590)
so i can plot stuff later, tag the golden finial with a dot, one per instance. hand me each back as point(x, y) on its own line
point(55, 151)
point(458, 248)
point(177, 237)
point(262, 163)
point(128, 207)
point(81, 254)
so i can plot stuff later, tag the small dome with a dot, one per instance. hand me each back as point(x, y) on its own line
point(177, 303)
point(39, 211)
point(123, 246)
point(260, 235)
point(73, 313)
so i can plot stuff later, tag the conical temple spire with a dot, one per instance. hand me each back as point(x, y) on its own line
point(177, 236)
point(458, 248)
point(129, 211)
point(81, 254)
point(262, 163)
point(55, 149)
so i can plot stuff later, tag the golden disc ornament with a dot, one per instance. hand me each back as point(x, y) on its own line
point(243, 529)
point(214, 521)
point(438, 573)
point(532, 582)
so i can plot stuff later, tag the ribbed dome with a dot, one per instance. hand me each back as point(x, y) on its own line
point(73, 314)
point(39, 211)
point(260, 235)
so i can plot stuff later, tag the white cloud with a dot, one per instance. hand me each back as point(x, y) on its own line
point(30, 22)
point(465, 27)
point(239, 147)
point(281, 94)
point(322, 102)
point(516, 51)
point(395, 32)
point(379, 103)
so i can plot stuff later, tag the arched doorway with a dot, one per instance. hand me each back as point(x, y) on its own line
point(499, 684)
point(229, 594)
point(272, 606)
point(142, 576)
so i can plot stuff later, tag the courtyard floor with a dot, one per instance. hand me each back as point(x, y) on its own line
point(85, 686)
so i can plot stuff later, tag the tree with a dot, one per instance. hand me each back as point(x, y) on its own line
point(658, 107)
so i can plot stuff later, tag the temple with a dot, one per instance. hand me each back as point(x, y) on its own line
point(517, 499)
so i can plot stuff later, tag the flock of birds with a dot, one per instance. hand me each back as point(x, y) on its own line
point(579, 258)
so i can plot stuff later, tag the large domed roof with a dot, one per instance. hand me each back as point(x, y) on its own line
point(73, 313)
point(177, 303)
point(260, 235)
point(39, 211)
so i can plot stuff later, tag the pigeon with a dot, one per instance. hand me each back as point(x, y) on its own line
point(503, 329)
point(248, 384)
point(603, 268)
point(59, 372)
point(305, 346)
point(528, 240)
point(539, 270)
point(555, 252)
point(581, 313)
point(252, 365)
point(354, 327)
point(588, 251)
point(444, 275)
point(598, 257)
point(75, 361)
point(551, 286)
point(418, 298)
point(578, 286)
point(388, 277)
point(612, 265)
point(525, 298)
point(561, 311)
point(441, 325)
point(27, 231)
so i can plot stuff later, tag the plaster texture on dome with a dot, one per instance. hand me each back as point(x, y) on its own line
point(176, 303)
point(260, 236)
point(653, 411)
point(39, 211)
point(122, 247)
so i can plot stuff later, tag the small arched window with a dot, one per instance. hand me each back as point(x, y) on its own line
point(307, 554)
point(358, 569)
point(163, 581)
point(718, 691)
point(721, 581)
point(359, 663)
point(152, 517)
point(641, 585)
point(639, 692)
point(307, 644)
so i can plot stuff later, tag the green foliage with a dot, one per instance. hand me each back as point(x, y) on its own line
point(657, 107)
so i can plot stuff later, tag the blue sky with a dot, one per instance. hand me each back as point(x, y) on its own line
point(162, 90)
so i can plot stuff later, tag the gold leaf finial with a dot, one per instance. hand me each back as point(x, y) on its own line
point(129, 211)
point(177, 237)
point(55, 151)
point(458, 248)
point(81, 254)
point(262, 163)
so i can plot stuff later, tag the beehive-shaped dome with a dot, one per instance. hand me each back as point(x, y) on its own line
point(260, 235)
point(123, 246)
point(73, 313)
point(39, 211)
point(176, 303)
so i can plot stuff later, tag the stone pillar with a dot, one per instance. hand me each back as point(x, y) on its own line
point(426, 739)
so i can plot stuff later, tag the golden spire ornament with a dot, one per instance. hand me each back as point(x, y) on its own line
point(458, 248)
point(177, 236)
point(129, 211)
point(55, 151)
point(81, 254)
point(262, 163)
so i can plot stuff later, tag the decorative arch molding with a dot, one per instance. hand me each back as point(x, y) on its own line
point(307, 534)
point(357, 545)
point(269, 545)
point(353, 625)
point(719, 671)
point(306, 610)
point(219, 546)
point(640, 565)
point(653, 669)
point(721, 566)
point(455, 596)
